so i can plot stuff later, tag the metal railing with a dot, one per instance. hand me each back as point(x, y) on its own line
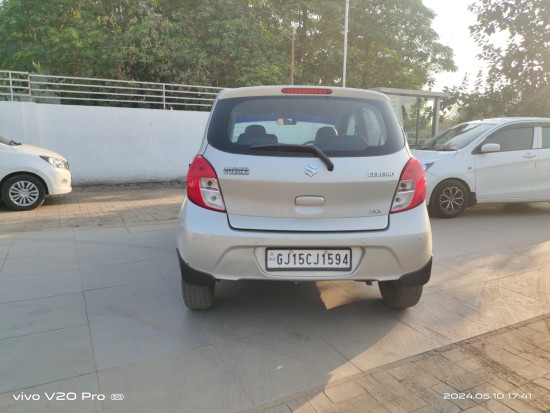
point(31, 87)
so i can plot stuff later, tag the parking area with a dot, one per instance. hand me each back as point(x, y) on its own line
point(91, 307)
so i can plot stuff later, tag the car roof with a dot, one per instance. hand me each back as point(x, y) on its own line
point(277, 91)
point(510, 120)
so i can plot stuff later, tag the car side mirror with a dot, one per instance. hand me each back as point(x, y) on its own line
point(490, 147)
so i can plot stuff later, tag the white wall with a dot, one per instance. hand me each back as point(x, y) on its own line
point(106, 144)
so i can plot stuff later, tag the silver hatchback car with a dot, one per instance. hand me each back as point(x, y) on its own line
point(299, 183)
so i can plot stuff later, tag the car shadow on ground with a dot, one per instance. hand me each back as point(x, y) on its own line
point(534, 208)
point(279, 338)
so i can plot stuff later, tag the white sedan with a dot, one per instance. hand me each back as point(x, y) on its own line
point(487, 161)
point(28, 174)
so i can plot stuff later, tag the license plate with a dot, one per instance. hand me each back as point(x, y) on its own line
point(338, 259)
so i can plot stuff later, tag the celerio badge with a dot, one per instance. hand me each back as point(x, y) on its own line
point(381, 174)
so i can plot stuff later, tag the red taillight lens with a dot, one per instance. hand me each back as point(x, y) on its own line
point(306, 91)
point(203, 188)
point(411, 190)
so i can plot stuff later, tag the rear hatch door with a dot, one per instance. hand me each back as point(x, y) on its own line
point(306, 159)
point(301, 194)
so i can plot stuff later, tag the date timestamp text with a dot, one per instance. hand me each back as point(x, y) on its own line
point(487, 396)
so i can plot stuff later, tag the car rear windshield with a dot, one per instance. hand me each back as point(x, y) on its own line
point(337, 126)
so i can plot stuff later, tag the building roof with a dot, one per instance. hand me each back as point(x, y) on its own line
point(409, 92)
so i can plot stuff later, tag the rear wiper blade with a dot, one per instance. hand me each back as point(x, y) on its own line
point(298, 148)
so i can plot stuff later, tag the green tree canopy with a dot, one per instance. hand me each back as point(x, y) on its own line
point(515, 40)
point(224, 42)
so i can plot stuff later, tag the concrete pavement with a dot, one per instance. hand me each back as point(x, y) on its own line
point(506, 370)
point(90, 306)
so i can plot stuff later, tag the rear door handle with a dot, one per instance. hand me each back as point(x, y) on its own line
point(529, 155)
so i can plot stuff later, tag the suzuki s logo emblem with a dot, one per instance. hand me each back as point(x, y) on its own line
point(310, 169)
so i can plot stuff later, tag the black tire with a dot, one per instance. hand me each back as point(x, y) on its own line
point(399, 296)
point(197, 297)
point(450, 199)
point(23, 192)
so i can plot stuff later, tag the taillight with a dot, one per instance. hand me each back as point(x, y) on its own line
point(411, 190)
point(203, 187)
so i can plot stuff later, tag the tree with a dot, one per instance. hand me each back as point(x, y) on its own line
point(465, 103)
point(390, 43)
point(224, 43)
point(57, 35)
point(519, 72)
point(204, 42)
point(393, 45)
point(235, 45)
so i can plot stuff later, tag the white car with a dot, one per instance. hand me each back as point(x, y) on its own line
point(28, 174)
point(303, 184)
point(487, 161)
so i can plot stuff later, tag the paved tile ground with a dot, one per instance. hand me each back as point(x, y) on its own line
point(90, 302)
point(99, 206)
point(507, 370)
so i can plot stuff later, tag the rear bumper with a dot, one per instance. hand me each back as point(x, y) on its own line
point(192, 276)
point(419, 277)
point(208, 245)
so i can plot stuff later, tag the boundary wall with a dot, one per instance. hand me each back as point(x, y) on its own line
point(109, 144)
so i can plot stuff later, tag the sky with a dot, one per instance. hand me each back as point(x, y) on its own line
point(451, 23)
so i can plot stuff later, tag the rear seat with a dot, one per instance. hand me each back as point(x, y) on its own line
point(342, 143)
point(256, 135)
point(253, 139)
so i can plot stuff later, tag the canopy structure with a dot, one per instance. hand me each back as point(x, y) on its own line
point(418, 111)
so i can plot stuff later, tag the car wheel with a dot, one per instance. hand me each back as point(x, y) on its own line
point(23, 193)
point(399, 296)
point(197, 297)
point(449, 199)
